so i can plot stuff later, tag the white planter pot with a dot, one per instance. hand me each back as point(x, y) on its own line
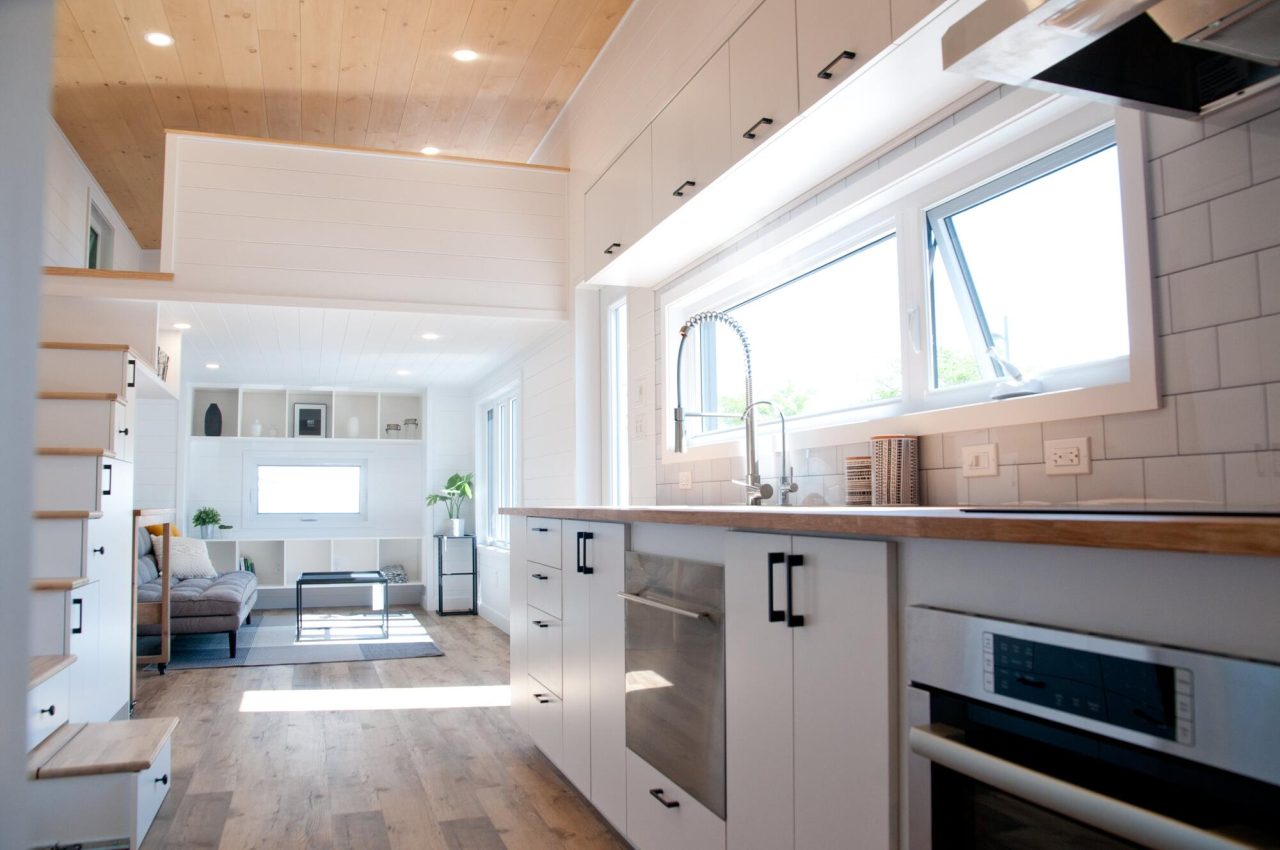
point(455, 527)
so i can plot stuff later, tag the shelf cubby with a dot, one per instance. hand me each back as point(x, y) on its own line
point(355, 555)
point(306, 556)
point(268, 409)
point(358, 409)
point(223, 554)
point(268, 560)
point(405, 551)
point(395, 409)
point(298, 397)
point(228, 401)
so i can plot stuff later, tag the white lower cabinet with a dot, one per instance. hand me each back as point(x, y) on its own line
point(47, 706)
point(810, 659)
point(546, 647)
point(661, 816)
point(545, 719)
point(67, 622)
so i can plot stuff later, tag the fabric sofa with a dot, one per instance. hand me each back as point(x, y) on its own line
point(197, 605)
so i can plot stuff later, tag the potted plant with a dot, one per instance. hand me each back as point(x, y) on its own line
point(205, 519)
point(455, 493)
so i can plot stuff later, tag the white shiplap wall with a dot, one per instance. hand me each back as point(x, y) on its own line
point(155, 453)
point(68, 190)
point(251, 220)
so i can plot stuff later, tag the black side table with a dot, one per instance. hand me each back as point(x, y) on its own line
point(440, 574)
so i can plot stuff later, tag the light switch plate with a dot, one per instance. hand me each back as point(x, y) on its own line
point(1067, 457)
point(979, 461)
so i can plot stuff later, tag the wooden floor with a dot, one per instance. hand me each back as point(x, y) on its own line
point(364, 780)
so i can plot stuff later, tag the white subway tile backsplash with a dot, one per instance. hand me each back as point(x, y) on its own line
point(931, 452)
point(1164, 312)
point(1232, 420)
point(1181, 240)
point(720, 469)
point(1246, 221)
point(1036, 487)
point(1253, 479)
point(1019, 443)
point(999, 489)
point(1190, 481)
point(944, 487)
point(824, 461)
point(1225, 291)
point(1111, 482)
point(1264, 147)
point(1273, 415)
point(1189, 361)
point(954, 442)
point(1166, 134)
point(1269, 280)
point(1205, 170)
point(1147, 433)
point(1250, 351)
point(1090, 427)
point(1155, 188)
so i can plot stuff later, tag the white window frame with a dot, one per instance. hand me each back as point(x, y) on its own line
point(617, 445)
point(250, 517)
point(504, 406)
point(1017, 129)
point(97, 220)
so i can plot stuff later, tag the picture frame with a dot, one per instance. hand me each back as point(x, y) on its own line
point(309, 419)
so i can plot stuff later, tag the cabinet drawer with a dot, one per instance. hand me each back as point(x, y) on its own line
point(62, 547)
point(71, 482)
point(544, 589)
point(543, 539)
point(653, 824)
point(545, 661)
point(546, 720)
point(48, 707)
point(153, 786)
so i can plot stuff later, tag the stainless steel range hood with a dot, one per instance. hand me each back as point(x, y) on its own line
point(1180, 57)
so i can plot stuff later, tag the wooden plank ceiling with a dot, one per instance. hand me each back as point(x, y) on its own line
point(358, 73)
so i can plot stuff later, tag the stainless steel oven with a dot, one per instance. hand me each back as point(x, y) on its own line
point(675, 671)
point(1023, 736)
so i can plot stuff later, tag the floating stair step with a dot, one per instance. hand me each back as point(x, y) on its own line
point(61, 584)
point(85, 346)
point(42, 668)
point(60, 451)
point(47, 396)
point(66, 515)
point(93, 749)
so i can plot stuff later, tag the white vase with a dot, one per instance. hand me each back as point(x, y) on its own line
point(255, 430)
point(353, 426)
point(456, 527)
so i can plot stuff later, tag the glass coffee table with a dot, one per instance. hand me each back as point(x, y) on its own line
point(369, 577)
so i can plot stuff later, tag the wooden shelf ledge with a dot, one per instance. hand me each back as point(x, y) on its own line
point(60, 451)
point(94, 749)
point(62, 583)
point(66, 515)
point(85, 346)
point(42, 668)
point(78, 396)
point(108, 274)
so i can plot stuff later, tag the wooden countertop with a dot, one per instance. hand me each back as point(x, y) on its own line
point(1220, 534)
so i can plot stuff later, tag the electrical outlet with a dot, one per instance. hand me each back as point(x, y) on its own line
point(1067, 457)
point(686, 481)
point(979, 461)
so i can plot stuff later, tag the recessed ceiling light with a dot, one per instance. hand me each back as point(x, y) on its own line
point(430, 150)
point(465, 55)
point(430, 336)
point(159, 39)
point(212, 366)
point(181, 326)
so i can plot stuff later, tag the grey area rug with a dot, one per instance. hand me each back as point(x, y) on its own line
point(327, 636)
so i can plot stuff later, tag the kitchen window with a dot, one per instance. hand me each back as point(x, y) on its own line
point(500, 429)
point(618, 458)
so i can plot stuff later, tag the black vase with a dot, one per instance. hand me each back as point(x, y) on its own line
point(213, 421)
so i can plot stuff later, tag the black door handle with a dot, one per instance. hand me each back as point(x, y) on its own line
point(541, 698)
point(775, 558)
point(657, 794)
point(540, 530)
point(612, 245)
point(163, 780)
point(679, 192)
point(751, 131)
point(124, 431)
point(101, 550)
point(106, 467)
point(539, 577)
point(79, 628)
point(51, 710)
point(540, 624)
point(793, 620)
point(825, 73)
point(583, 537)
point(133, 372)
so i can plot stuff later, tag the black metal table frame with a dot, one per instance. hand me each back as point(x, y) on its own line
point(350, 580)
point(440, 575)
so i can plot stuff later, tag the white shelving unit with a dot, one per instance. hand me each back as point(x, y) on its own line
point(350, 414)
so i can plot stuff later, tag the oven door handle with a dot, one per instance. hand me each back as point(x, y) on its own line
point(944, 745)
point(665, 606)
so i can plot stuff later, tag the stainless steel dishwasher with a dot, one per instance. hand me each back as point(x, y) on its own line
point(675, 671)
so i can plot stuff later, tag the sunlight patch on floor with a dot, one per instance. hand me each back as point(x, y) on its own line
point(360, 628)
point(377, 699)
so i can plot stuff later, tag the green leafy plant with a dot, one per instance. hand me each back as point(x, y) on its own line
point(456, 491)
point(206, 516)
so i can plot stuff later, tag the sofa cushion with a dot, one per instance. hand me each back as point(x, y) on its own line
point(147, 569)
point(188, 558)
point(204, 597)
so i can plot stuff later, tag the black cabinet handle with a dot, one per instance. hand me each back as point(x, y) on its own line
point(793, 620)
point(775, 558)
point(539, 577)
point(583, 537)
point(542, 698)
point(79, 628)
point(106, 467)
point(751, 131)
point(124, 431)
point(133, 372)
point(163, 780)
point(679, 192)
point(540, 530)
point(541, 624)
point(101, 550)
point(51, 710)
point(612, 245)
point(657, 794)
point(825, 73)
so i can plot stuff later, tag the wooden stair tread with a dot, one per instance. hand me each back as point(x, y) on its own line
point(109, 274)
point(61, 451)
point(86, 346)
point(116, 746)
point(47, 748)
point(42, 668)
point(60, 396)
point(66, 515)
point(61, 583)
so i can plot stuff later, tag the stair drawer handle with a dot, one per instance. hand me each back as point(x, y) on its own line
point(542, 698)
point(163, 780)
point(825, 73)
point(657, 794)
point(751, 131)
point(51, 710)
point(679, 192)
point(78, 629)
point(608, 250)
point(106, 467)
point(540, 624)
point(101, 550)
point(540, 577)
point(124, 431)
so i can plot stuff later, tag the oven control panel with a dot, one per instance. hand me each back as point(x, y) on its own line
point(1154, 699)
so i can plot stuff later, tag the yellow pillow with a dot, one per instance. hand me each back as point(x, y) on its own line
point(158, 530)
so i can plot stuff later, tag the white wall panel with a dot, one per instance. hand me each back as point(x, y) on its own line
point(155, 453)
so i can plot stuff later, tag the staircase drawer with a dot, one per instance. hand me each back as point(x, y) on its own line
point(542, 536)
point(72, 483)
point(83, 424)
point(153, 787)
point(61, 548)
point(546, 663)
point(86, 371)
point(48, 707)
point(546, 720)
point(544, 588)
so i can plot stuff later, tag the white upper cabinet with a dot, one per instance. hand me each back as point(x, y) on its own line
point(691, 137)
point(827, 31)
point(618, 207)
point(762, 75)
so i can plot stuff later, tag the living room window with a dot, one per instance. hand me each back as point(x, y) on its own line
point(285, 491)
point(500, 421)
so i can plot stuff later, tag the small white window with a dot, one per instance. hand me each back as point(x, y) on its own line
point(616, 377)
point(501, 439)
point(286, 491)
point(101, 240)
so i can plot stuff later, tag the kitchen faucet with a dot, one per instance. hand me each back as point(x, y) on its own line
point(757, 491)
point(787, 483)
